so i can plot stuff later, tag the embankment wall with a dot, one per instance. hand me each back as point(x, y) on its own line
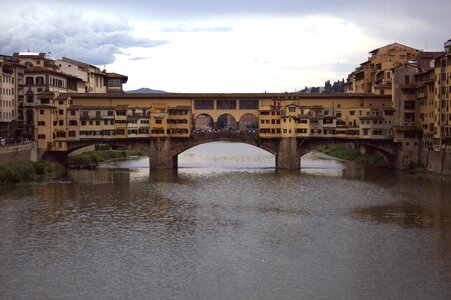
point(18, 153)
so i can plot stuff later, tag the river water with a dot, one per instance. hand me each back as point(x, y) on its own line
point(226, 225)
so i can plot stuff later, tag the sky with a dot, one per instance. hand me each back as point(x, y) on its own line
point(204, 46)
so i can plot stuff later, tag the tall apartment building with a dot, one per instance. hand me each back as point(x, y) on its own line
point(375, 74)
point(94, 80)
point(11, 95)
point(44, 75)
point(421, 99)
point(442, 121)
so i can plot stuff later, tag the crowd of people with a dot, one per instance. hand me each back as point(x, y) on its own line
point(14, 141)
point(224, 130)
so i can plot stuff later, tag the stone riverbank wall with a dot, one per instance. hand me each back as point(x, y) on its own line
point(18, 153)
point(437, 161)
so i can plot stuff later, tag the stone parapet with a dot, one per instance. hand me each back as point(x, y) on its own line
point(18, 153)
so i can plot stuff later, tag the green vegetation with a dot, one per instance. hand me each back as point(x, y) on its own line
point(347, 152)
point(29, 171)
point(100, 156)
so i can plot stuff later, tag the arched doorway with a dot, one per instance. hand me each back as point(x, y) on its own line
point(248, 122)
point(226, 122)
point(203, 122)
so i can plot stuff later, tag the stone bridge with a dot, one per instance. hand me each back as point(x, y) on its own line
point(163, 152)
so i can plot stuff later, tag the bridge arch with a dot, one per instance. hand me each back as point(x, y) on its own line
point(248, 121)
point(226, 122)
point(232, 137)
point(204, 122)
point(385, 148)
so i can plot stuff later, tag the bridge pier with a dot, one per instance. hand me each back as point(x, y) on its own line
point(161, 155)
point(288, 155)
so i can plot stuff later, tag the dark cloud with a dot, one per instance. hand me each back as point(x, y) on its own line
point(73, 35)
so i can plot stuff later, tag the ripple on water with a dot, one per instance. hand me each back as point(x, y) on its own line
point(403, 214)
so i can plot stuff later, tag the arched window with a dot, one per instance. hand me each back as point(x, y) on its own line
point(29, 80)
point(40, 80)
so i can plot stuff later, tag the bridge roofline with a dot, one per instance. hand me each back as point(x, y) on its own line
point(275, 96)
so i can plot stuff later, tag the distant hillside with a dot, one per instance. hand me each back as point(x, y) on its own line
point(146, 91)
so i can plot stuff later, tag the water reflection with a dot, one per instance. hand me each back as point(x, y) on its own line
point(228, 232)
point(405, 214)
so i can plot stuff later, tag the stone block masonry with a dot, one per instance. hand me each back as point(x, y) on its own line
point(18, 153)
point(437, 161)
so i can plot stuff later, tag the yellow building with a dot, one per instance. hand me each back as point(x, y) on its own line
point(442, 99)
point(375, 74)
point(82, 117)
point(11, 78)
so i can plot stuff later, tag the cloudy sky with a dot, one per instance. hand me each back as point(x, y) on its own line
point(222, 46)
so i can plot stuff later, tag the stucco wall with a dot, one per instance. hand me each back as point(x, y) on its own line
point(16, 153)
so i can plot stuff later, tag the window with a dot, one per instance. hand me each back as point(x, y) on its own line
point(39, 80)
point(203, 104)
point(41, 136)
point(41, 111)
point(158, 121)
point(41, 123)
point(60, 112)
point(114, 82)
point(226, 104)
point(61, 122)
point(248, 104)
point(29, 80)
point(72, 133)
point(292, 109)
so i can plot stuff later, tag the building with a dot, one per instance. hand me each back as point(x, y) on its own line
point(442, 99)
point(44, 75)
point(93, 79)
point(375, 74)
point(11, 95)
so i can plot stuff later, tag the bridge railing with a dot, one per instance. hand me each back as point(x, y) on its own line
point(226, 134)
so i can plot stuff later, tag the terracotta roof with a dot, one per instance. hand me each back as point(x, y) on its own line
point(382, 85)
point(211, 96)
point(45, 70)
point(392, 44)
point(116, 75)
point(75, 107)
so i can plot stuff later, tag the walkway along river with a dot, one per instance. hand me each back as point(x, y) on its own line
point(228, 226)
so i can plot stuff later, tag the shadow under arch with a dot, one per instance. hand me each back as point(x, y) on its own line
point(226, 154)
point(386, 150)
point(232, 137)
